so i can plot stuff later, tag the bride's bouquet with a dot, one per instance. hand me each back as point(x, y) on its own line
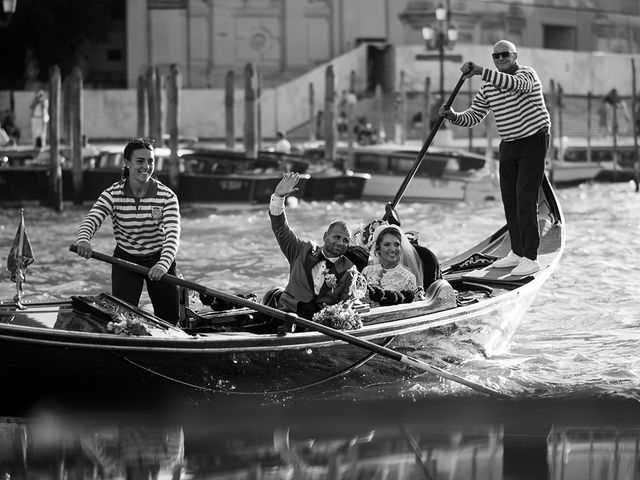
point(342, 315)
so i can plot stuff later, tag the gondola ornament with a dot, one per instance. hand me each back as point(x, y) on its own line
point(20, 257)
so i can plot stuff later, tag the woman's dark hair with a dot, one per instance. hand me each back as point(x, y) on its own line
point(392, 231)
point(135, 144)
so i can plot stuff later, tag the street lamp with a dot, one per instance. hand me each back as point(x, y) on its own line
point(8, 9)
point(440, 36)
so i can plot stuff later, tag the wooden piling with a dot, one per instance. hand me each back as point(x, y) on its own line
point(551, 103)
point(351, 104)
point(634, 119)
point(76, 111)
point(65, 131)
point(229, 114)
point(560, 104)
point(312, 113)
point(399, 108)
point(614, 134)
point(470, 97)
point(404, 108)
point(259, 111)
point(379, 111)
point(426, 108)
point(174, 94)
point(141, 103)
point(161, 108)
point(555, 149)
point(55, 169)
point(250, 127)
point(152, 104)
point(589, 114)
point(330, 129)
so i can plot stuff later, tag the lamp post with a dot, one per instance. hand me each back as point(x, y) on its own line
point(8, 9)
point(440, 36)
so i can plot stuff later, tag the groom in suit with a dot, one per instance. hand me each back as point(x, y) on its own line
point(318, 276)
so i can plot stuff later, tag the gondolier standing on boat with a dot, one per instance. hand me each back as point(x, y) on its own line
point(318, 276)
point(146, 225)
point(514, 94)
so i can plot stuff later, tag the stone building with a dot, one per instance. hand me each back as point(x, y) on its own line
point(284, 38)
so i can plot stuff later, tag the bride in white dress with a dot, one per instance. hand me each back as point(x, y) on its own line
point(387, 270)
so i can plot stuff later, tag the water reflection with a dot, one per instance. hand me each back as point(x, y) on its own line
point(49, 450)
point(413, 443)
point(584, 453)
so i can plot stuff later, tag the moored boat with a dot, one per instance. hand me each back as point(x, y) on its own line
point(206, 176)
point(67, 348)
point(446, 175)
point(579, 156)
point(325, 181)
point(571, 173)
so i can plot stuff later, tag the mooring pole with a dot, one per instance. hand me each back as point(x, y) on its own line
point(55, 170)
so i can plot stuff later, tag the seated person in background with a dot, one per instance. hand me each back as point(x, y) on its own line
point(282, 144)
point(386, 270)
point(318, 276)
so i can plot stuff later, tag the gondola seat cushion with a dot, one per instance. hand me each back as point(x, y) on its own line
point(358, 255)
point(430, 265)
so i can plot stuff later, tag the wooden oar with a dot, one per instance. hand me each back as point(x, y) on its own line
point(390, 214)
point(292, 317)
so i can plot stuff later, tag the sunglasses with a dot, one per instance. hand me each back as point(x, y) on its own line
point(501, 55)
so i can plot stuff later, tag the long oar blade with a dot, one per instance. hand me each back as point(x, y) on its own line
point(390, 215)
point(292, 317)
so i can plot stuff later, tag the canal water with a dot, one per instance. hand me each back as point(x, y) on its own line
point(578, 341)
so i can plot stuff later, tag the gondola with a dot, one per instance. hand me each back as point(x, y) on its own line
point(101, 349)
point(70, 347)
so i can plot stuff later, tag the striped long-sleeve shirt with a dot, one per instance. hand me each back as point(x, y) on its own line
point(141, 226)
point(516, 101)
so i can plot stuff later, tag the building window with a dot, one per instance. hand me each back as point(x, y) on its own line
point(558, 37)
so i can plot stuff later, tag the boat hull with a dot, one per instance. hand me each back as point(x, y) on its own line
point(81, 365)
point(32, 184)
point(338, 187)
point(427, 189)
point(571, 173)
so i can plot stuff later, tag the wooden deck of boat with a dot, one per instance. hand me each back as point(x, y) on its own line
point(550, 244)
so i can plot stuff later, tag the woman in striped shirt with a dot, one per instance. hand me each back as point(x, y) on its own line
point(513, 93)
point(146, 226)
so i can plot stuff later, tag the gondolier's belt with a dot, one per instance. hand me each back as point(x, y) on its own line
point(120, 253)
point(542, 131)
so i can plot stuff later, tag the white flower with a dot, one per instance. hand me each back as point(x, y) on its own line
point(331, 280)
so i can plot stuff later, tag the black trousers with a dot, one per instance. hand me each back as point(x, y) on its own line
point(127, 286)
point(521, 174)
